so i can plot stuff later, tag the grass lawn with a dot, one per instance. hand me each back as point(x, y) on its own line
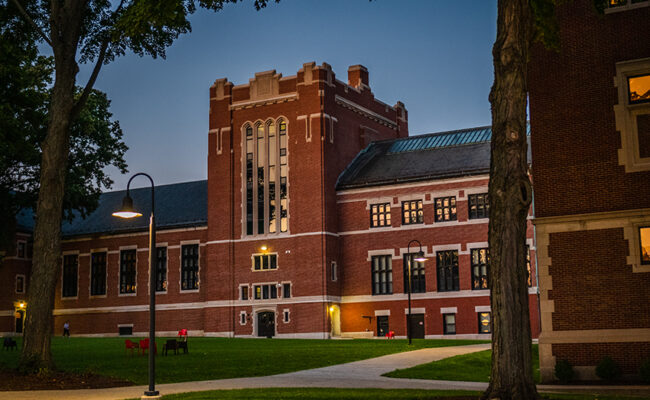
point(468, 367)
point(218, 358)
point(357, 394)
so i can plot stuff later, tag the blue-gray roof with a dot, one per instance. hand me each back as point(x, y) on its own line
point(177, 205)
point(423, 157)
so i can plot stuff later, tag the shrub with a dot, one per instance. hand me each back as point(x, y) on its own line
point(564, 371)
point(644, 371)
point(607, 369)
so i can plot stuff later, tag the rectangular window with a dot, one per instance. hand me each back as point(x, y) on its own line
point(447, 271)
point(190, 267)
point(644, 238)
point(286, 290)
point(284, 223)
point(484, 322)
point(20, 284)
point(286, 316)
point(412, 212)
point(249, 180)
point(445, 209)
point(70, 275)
point(478, 206)
point(418, 282)
point(263, 262)
point(125, 330)
point(639, 89)
point(480, 268)
point(264, 292)
point(379, 215)
point(449, 321)
point(161, 269)
point(333, 272)
point(382, 275)
point(243, 291)
point(21, 249)
point(242, 318)
point(127, 271)
point(261, 162)
point(98, 274)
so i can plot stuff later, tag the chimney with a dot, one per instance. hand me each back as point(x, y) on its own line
point(358, 77)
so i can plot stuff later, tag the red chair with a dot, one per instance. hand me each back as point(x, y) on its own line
point(390, 335)
point(130, 345)
point(183, 334)
point(144, 346)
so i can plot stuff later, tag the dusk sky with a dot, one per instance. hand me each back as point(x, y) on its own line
point(433, 55)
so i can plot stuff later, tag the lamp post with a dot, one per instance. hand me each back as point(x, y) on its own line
point(127, 211)
point(419, 257)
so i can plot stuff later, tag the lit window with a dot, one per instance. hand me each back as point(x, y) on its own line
point(243, 290)
point(127, 271)
point(264, 292)
point(480, 268)
point(412, 212)
point(638, 89)
point(449, 321)
point(484, 322)
point(445, 209)
point(644, 236)
point(380, 215)
point(479, 207)
point(263, 262)
point(528, 270)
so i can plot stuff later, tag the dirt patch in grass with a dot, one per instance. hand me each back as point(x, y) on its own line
point(58, 380)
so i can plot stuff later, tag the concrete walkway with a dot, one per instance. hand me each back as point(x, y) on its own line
point(359, 374)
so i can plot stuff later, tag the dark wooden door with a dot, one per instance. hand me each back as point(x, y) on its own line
point(266, 324)
point(382, 325)
point(19, 321)
point(417, 326)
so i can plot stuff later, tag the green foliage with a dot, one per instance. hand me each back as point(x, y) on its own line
point(546, 29)
point(25, 88)
point(564, 371)
point(607, 369)
point(644, 371)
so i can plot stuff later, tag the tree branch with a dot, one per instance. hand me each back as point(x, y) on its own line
point(31, 22)
point(91, 81)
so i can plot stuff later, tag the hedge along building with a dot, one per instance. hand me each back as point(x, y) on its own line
point(590, 119)
point(297, 232)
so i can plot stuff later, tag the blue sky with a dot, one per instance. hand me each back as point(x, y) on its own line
point(433, 55)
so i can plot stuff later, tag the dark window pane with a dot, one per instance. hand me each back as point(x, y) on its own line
point(161, 269)
point(70, 275)
point(382, 275)
point(418, 281)
point(287, 290)
point(190, 267)
point(98, 274)
point(447, 271)
point(127, 271)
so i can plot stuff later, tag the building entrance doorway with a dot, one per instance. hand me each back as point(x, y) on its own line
point(266, 324)
point(382, 325)
point(335, 318)
point(20, 319)
point(417, 326)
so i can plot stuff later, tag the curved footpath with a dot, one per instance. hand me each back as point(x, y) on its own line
point(358, 374)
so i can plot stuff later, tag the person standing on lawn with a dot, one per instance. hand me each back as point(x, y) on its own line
point(66, 329)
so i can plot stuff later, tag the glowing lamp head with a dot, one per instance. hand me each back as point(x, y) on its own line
point(21, 305)
point(127, 210)
point(419, 256)
point(331, 309)
point(264, 247)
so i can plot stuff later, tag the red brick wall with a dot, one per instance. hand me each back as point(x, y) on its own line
point(593, 288)
point(628, 356)
point(574, 139)
point(10, 266)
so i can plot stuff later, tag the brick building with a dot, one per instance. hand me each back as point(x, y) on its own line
point(314, 191)
point(590, 121)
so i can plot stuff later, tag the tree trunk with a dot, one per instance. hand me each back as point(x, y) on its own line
point(510, 196)
point(46, 263)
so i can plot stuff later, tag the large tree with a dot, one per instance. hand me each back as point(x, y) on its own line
point(25, 78)
point(519, 23)
point(95, 31)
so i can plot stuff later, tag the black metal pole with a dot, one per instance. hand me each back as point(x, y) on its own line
point(408, 263)
point(153, 260)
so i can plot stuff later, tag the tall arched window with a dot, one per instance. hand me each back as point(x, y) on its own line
point(266, 201)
